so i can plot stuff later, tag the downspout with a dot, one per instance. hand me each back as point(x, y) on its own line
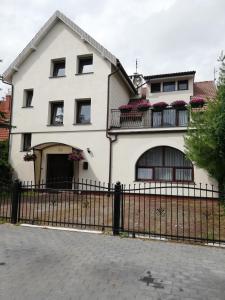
point(111, 140)
point(10, 119)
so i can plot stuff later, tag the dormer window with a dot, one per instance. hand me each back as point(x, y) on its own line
point(155, 87)
point(85, 64)
point(182, 85)
point(169, 86)
point(58, 67)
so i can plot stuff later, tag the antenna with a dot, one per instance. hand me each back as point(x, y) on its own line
point(136, 65)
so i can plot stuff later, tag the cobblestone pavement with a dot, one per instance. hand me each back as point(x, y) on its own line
point(48, 264)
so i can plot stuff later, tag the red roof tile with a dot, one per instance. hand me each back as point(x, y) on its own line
point(204, 89)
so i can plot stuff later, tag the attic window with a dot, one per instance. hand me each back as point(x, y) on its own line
point(182, 85)
point(58, 68)
point(85, 64)
point(28, 96)
point(155, 87)
point(169, 86)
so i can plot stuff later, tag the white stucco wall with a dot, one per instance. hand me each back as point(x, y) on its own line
point(34, 73)
point(128, 148)
point(97, 159)
point(169, 97)
point(119, 92)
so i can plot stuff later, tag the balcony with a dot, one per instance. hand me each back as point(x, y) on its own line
point(166, 118)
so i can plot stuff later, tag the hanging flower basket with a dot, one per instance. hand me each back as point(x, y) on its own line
point(29, 157)
point(75, 155)
point(143, 106)
point(179, 104)
point(125, 108)
point(159, 106)
point(197, 102)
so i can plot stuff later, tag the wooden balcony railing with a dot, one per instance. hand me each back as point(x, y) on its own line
point(168, 117)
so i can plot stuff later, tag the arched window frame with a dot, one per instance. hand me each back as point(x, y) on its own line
point(163, 166)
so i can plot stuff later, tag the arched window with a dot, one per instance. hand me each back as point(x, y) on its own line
point(164, 164)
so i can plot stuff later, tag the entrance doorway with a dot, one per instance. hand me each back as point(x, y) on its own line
point(59, 171)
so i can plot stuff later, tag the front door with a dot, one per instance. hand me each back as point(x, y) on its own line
point(59, 171)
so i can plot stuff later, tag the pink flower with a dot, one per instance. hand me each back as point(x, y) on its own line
point(160, 105)
point(197, 102)
point(126, 107)
point(76, 155)
point(178, 103)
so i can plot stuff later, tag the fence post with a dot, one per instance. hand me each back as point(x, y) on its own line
point(15, 201)
point(117, 200)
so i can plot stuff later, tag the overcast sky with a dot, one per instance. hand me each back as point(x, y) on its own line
point(164, 35)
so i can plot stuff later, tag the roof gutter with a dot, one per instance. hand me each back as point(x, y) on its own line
point(111, 140)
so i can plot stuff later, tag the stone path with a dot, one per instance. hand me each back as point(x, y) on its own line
point(39, 264)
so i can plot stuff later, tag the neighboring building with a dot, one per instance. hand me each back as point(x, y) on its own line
point(204, 89)
point(67, 91)
point(5, 107)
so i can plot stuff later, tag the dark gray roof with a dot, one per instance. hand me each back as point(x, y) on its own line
point(149, 77)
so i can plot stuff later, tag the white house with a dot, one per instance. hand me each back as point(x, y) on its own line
point(67, 89)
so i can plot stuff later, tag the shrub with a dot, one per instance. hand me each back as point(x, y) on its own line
point(5, 168)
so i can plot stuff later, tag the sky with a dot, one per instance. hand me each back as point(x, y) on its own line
point(163, 35)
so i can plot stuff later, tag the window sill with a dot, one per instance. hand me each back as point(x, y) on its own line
point(162, 92)
point(54, 125)
point(82, 123)
point(27, 107)
point(88, 73)
point(51, 77)
point(165, 182)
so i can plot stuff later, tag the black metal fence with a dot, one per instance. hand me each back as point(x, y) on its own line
point(162, 210)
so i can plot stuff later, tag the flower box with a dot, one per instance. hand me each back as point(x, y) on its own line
point(125, 108)
point(143, 106)
point(29, 157)
point(75, 155)
point(159, 106)
point(197, 102)
point(179, 104)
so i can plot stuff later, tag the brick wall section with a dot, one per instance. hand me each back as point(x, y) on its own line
point(5, 106)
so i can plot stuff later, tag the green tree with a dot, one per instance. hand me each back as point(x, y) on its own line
point(5, 168)
point(205, 139)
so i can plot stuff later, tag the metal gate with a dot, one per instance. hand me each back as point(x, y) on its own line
point(162, 210)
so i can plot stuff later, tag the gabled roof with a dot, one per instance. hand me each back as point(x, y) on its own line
point(7, 75)
point(205, 90)
point(186, 73)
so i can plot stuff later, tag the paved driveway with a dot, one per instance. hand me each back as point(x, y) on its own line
point(47, 264)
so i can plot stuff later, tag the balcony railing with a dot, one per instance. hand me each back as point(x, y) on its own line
point(166, 118)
